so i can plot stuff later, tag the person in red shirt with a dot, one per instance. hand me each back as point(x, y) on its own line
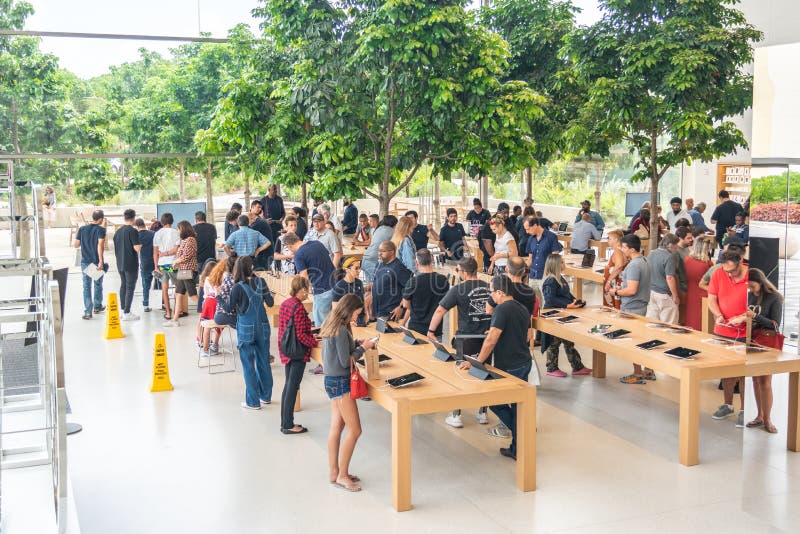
point(727, 301)
point(293, 307)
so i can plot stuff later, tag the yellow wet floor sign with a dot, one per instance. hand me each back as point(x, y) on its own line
point(113, 329)
point(160, 367)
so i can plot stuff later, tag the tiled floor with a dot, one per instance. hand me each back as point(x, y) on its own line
point(192, 460)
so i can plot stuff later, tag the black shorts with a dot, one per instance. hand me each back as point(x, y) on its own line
point(182, 287)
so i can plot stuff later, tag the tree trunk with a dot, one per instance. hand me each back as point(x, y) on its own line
point(464, 189)
point(182, 180)
point(304, 200)
point(437, 216)
point(598, 185)
point(209, 195)
point(247, 191)
point(655, 231)
point(529, 183)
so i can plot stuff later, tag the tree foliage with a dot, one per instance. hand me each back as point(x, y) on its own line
point(664, 76)
point(382, 87)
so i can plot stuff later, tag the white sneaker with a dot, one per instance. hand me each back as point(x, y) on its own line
point(213, 349)
point(204, 353)
point(454, 421)
point(483, 418)
point(248, 407)
point(130, 317)
point(170, 323)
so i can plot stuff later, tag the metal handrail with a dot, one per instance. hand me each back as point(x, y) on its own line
point(45, 309)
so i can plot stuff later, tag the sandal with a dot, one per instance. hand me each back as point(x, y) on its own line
point(650, 375)
point(352, 487)
point(353, 478)
point(632, 379)
point(755, 423)
point(771, 429)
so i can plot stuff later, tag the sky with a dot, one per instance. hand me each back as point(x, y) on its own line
point(91, 57)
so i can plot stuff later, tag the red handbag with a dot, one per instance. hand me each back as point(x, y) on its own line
point(358, 387)
point(768, 338)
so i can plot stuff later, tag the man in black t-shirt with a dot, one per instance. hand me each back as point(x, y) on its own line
point(91, 239)
point(517, 271)
point(126, 248)
point(206, 239)
point(724, 215)
point(478, 216)
point(421, 232)
point(422, 294)
point(470, 297)
point(507, 340)
point(451, 237)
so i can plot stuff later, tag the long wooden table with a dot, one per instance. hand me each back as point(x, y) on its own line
point(712, 362)
point(280, 284)
point(444, 388)
point(572, 268)
point(600, 244)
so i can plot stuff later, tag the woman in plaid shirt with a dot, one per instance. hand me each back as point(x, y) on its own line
point(185, 258)
point(293, 306)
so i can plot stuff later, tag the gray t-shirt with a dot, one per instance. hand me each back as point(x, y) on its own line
point(662, 264)
point(637, 270)
point(582, 232)
point(381, 234)
point(680, 267)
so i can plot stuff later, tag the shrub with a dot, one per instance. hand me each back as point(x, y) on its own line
point(776, 212)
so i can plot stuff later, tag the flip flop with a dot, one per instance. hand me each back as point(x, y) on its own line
point(771, 429)
point(755, 423)
point(353, 478)
point(353, 488)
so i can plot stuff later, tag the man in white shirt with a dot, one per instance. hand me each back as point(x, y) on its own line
point(318, 232)
point(676, 213)
point(165, 245)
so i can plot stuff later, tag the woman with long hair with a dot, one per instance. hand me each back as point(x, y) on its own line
point(401, 238)
point(248, 297)
point(504, 247)
point(555, 290)
point(696, 265)
point(185, 260)
point(765, 307)
point(338, 350)
point(222, 279)
point(348, 282)
point(612, 273)
point(293, 310)
point(203, 338)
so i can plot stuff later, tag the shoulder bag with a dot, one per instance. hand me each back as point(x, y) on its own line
point(290, 346)
point(358, 387)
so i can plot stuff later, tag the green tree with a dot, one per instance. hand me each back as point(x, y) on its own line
point(386, 86)
point(535, 32)
point(664, 76)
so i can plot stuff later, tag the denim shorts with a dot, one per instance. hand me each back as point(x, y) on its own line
point(337, 386)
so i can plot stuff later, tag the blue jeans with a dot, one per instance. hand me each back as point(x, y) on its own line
point(323, 303)
point(90, 304)
point(147, 281)
point(507, 413)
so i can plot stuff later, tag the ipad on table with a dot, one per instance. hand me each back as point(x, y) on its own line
point(567, 319)
point(405, 380)
point(616, 334)
point(652, 344)
point(682, 353)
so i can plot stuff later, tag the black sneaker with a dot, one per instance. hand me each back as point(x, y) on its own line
point(100, 309)
point(184, 314)
point(508, 453)
point(87, 317)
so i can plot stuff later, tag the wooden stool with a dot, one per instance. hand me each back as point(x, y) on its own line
point(211, 364)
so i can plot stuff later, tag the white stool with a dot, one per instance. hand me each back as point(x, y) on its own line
point(212, 362)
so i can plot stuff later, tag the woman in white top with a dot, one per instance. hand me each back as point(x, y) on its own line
point(504, 246)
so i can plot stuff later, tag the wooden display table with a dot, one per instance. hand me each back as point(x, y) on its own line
point(280, 284)
point(444, 388)
point(572, 268)
point(713, 362)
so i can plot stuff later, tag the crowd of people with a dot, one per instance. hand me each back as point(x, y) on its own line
point(396, 279)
